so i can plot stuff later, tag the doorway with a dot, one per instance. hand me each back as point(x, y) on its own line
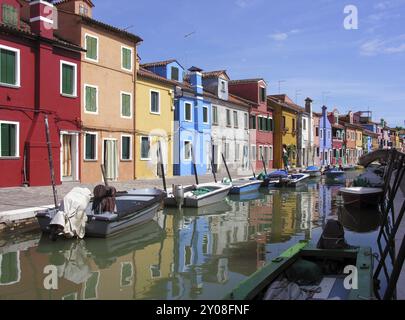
point(214, 155)
point(69, 157)
point(110, 158)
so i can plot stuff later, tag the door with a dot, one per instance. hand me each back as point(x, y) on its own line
point(67, 167)
point(215, 157)
point(111, 159)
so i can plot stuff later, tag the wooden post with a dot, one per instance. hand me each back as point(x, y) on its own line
point(226, 167)
point(253, 170)
point(162, 167)
point(104, 175)
point(50, 158)
point(213, 170)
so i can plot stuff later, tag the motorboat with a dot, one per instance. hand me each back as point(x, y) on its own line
point(361, 197)
point(313, 171)
point(244, 185)
point(297, 180)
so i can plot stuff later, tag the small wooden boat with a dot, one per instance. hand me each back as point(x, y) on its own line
point(313, 171)
point(331, 281)
point(240, 186)
point(361, 197)
point(297, 180)
point(334, 173)
point(196, 196)
point(134, 208)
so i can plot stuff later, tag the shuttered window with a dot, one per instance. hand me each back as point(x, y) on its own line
point(68, 79)
point(91, 97)
point(126, 58)
point(126, 105)
point(175, 73)
point(125, 148)
point(205, 114)
point(91, 146)
point(214, 115)
point(91, 47)
point(187, 112)
point(154, 102)
point(8, 66)
point(8, 139)
point(253, 122)
point(145, 148)
point(10, 15)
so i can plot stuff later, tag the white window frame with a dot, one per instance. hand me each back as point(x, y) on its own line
point(84, 146)
point(246, 121)
point(74, 65)
point(184, 151)
point(208, 115)
point(150, 147)
point(213, 118)
point(131, 104)
point(85, 46)
point(237, 151)
point(17, 138)
point(18, 67)
point(84, 96)
point(130, 147)
point(132, 58)
point(235, 123)
point(150, 101)
point(271, 151)
point(191, 111)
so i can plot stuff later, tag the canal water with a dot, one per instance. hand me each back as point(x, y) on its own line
point(194, 254)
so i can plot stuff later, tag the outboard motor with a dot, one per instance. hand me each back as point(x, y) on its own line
point(178, 193)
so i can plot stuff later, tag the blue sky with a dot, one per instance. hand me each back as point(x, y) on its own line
point(303, 43)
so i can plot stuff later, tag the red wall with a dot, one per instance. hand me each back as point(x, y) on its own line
point(39, 91)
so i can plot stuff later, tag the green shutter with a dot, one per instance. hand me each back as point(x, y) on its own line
point(67, 79)
point(126, 59)
point(91, 99)
point(126, 105)
point(8, 140)
point(8, 67)
point(126, 148)
point(91, 46)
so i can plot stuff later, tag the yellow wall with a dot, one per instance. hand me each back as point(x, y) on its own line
point(111, 80)
point(157, 126)
point(279, 138)
point(359, 138)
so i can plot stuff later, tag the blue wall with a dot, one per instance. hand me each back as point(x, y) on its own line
point(326, 141)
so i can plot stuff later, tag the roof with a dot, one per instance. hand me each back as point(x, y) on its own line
point(64, 1)
point(241, 81)
point(214, 74)
point(158, 63)
point(153, 76)
point(370, 133)
point(284, 101)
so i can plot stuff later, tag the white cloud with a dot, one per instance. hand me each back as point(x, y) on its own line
point(282, 36)
point(377, 46)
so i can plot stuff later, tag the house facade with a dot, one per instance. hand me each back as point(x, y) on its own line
point(230, 124)
point(261, 120)
point(108, 81)
point(40, 76)
point(316, 118)
point(154, 125)
point(338, 138)
point(325, 138)
point(285, 115)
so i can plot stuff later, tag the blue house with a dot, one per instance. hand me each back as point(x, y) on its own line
point(192, 118)
point(325, 136)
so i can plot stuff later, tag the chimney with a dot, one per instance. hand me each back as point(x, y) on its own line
point(42, 17)
point(196, 80)
point(308, 105)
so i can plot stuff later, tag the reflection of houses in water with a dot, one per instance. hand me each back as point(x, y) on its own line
point(284, 213)
point(325, 201)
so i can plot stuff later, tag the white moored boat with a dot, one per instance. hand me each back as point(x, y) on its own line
point(361, 197)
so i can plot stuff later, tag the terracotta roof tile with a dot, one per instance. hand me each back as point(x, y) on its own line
point(158, 63)
point(246, 81)
point(214, 74)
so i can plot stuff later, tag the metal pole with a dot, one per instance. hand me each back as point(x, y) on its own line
point(194, 166)
point(162, 167)
point(50, 158)
point(213, 170)
point(226, 167)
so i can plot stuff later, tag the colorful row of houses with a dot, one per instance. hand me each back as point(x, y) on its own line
point(105, 106)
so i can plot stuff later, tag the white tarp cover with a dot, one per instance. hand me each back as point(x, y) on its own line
point(73, 218)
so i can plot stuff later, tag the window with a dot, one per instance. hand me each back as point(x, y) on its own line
point(92, 48)
point(228, 118)
point(235, 119)
point(126, 59)
point(90, 146)
point(187, 112)
point(317, 131)
point(10, 270)
point(175, 73)
point(270, 124)
point(321, 133)
point(127, 274)
point(293, 124)
point(246, 121)
point(155, 102)
point(226, 150)
point(253, 122)
point(9, 139)
point(271, 153)
point(284, 123)
point(126, 149)
point(10, 15)
point(9, 66)
point(223, 86)
point(145, 148)
point(205, 114)
point(253, 152)
point(304, 124)
point(187, 150)
point(266, 154)
point(68, 79)
point(126, 105)
point(91, 285)
point(90, 99)
point(83, 10)
point(214, 115)
point(236, 151)
point(262, 94)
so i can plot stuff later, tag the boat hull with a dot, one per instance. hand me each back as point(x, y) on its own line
point(246, 188)
point(208, 199)
point(366, 200)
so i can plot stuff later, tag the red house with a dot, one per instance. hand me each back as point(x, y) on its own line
point(261, 120)
point(39, 75)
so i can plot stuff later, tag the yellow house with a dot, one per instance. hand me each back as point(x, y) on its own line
point(108, 78)
point(154, 123)
point(285, 117)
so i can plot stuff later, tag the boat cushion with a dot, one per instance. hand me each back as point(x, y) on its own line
point(304, 272)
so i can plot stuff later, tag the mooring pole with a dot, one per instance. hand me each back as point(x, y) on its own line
point(194, 166)
point(162, 167)
point(213, 170)
point(50, 159)
point(104, 176)
point(264, 165)
point(253, 170)
point(226, 167)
